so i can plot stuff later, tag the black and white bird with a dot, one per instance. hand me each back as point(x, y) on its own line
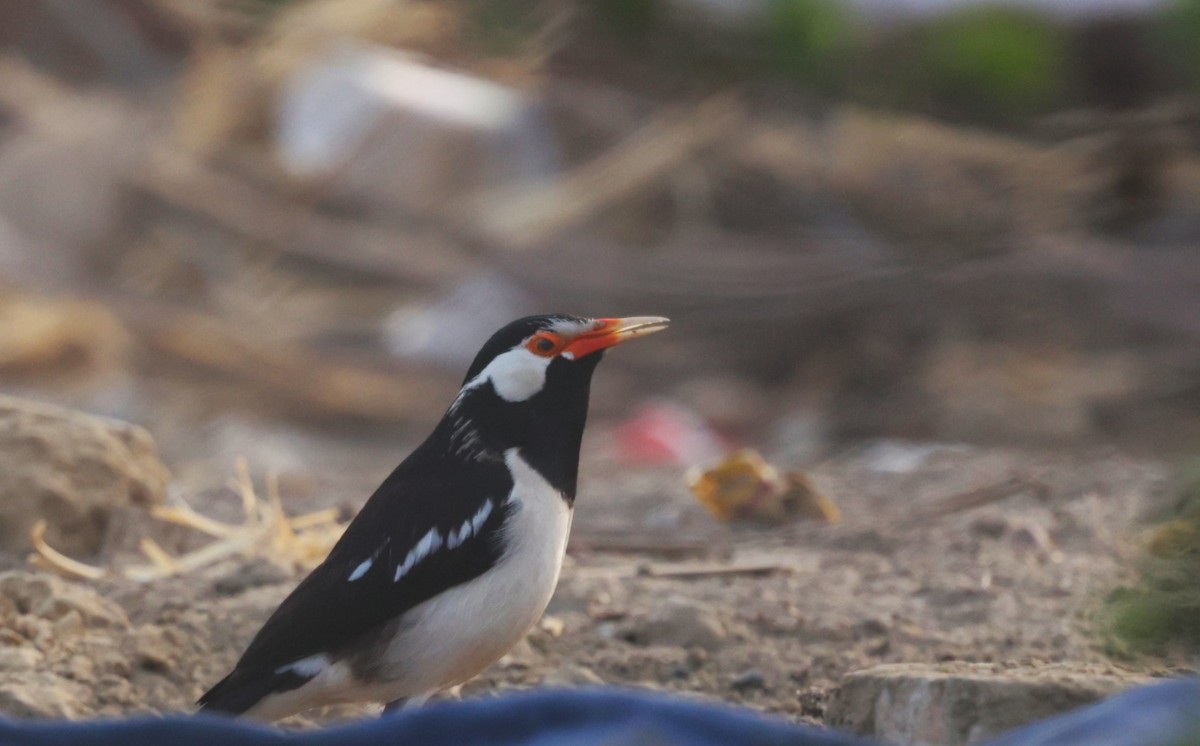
point(457, 553)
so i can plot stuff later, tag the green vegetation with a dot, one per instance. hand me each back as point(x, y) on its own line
point(995, 63)
point(992, 61)
point(1162, 609)
point(1180, 29)
point(630, 20)
point(812, 41)
point(502, 27)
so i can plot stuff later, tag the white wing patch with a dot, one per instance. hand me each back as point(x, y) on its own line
point(360, 570)
point(433, 541)
point(307, 667)
point(429, 543)
point(469, 527)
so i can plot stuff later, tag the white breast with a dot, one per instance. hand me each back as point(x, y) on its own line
point(450, 638)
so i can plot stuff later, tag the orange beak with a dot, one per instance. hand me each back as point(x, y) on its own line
point(608, 332)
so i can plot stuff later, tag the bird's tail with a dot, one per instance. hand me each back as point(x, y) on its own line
point(241, 690)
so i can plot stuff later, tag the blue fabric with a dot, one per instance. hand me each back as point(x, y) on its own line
point(1165, 714)
point(607, 717)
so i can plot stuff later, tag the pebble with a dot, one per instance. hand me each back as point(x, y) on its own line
point(748, 681)
point(57, 600)
point(20, 659)
point(989, 527)
point(154, 650)
point(572, 676)
point(870, 628)
point(680, 622)
point(69, 625)
point(521, 656)
point(42, 696)
point(553, 626)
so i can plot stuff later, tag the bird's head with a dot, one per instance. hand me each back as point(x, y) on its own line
point(538, 352)
point(528, 388)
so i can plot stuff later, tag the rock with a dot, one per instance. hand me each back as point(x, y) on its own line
point(19, 659)
point(870, 628)
point(73, 470)
point(56, 600)
point(748, 681)
point(680, 622)
point(41, 695)
point(69, 624)
point(572, 675)
point(521, 656)
point(154, 649)
point(960, 703)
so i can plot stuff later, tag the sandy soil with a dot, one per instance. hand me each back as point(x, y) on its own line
point(656, 594)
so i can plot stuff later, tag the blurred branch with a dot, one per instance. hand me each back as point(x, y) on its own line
point(112, 38)
point(528, 218)
point(30, 94)
point(269, 218)
point(976, 498)
point(312, 381)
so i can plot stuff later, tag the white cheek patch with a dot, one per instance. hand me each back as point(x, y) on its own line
point(516, 375)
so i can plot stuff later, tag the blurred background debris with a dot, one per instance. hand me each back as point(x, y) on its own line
point(744, 487)
point(939, 257)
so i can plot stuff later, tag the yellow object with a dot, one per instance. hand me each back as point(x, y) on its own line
point(744, 487)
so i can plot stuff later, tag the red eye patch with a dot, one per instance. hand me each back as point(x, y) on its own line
point(545, 344)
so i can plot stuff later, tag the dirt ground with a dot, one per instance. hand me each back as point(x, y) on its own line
point(656, 594)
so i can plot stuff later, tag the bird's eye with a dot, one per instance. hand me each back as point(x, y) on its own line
point(544, 344)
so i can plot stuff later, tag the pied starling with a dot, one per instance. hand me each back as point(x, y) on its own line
point(455, 556)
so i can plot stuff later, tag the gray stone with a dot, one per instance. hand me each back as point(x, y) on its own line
point(960, 703)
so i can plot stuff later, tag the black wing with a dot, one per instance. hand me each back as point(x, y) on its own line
point(420, 537)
